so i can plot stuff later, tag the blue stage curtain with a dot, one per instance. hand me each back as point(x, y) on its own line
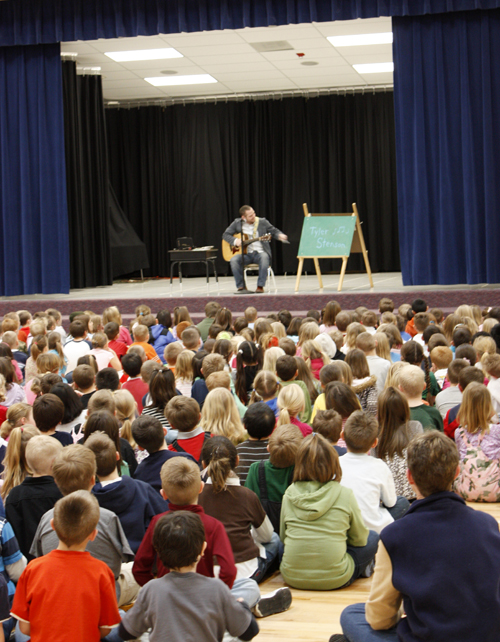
point(34, 244)
point(447, 92)
point(25, 22)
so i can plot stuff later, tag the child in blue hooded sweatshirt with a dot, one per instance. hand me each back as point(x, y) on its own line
point(160, 334)
point(134, 502)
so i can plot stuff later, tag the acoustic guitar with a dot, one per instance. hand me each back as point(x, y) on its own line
point(228, 251)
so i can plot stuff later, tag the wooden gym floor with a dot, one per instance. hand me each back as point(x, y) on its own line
point(315, 615)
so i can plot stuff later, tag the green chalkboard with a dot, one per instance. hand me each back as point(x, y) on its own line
point(326, 236)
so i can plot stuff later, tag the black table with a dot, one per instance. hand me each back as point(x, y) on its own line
point(206, 256)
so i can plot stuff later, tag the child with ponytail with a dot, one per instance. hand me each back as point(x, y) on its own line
point(15, 465)
point(126, 412)
point(265, 388)
point(239, 509)
point(248, 363)
point(291, 402)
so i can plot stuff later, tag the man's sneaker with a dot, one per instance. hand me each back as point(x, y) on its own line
point(338, 638)
point(275, 602)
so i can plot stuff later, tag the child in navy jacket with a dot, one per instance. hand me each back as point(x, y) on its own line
point(134, 502)
point(438, 544)
point(149, 434)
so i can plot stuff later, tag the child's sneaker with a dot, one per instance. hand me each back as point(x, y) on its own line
point(338, 638)
point(275, 602)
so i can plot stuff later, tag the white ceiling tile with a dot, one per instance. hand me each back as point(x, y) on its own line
point(229, 57)
point(263, 85)
point(250, 75)
point(262, 65)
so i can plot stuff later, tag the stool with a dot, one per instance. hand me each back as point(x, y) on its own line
point(270, 275)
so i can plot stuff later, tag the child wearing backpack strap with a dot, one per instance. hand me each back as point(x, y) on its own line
point(270, 479)
point(478, 443)
point(183, 414)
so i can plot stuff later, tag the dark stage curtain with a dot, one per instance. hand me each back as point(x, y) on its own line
point(44, 21)
point(87, 179)
point(186, 170)
point(33, 210)
point(448, 133)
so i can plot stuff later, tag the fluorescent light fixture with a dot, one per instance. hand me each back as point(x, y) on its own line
point(361, 39)
point(192, 79)
point(374, 68)
point(143, 54)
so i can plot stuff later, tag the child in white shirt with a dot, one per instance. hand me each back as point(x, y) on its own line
point(369, 478)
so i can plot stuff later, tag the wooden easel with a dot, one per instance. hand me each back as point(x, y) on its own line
point(357, 247)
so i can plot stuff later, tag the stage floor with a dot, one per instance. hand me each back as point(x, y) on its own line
point(285, 286)
point(194, 293)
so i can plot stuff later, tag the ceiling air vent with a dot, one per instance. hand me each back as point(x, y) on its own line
point(276, 45)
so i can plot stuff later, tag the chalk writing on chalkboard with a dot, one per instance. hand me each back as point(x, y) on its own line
point(327, 236)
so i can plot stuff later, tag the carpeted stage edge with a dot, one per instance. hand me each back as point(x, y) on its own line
point(298, 304)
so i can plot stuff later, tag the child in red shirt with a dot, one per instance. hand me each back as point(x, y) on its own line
point(68, 594)
point(183, 414)
point(112, 331)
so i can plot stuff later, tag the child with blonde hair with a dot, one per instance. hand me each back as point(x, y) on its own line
point(39, 345)
point(265, 388)
point(17, 415)
point(353, 330)
point(491, 366)
point(54, 344)
point(478, 443)
point(220, 416)
point(412, 385)
point(271, 355)
point(126, 412)
point(46, 362)
point(184, 372)
point(308, 331)
point(314, 357)
point(15, 465)
point(291, 402)
point(112, 314)
point(36, 494)
point(105, 357)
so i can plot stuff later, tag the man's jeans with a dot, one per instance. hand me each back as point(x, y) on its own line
point(261, 258)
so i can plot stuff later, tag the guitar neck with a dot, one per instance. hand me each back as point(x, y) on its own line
point(250, 241)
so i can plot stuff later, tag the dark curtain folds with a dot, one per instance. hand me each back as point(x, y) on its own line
point(44, 21)
point(33, 210)
point(87, 179)
point(186, 170)
point(448, 134)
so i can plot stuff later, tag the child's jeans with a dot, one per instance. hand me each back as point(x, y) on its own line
point(274, 553)
point(362, 555)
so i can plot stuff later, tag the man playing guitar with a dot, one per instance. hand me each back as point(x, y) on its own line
point(258, 252)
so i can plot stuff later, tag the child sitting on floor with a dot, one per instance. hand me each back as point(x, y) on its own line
point(328, 424)
point(255, 545)
point(183, 414)
point(37, 494)
point(369, 478)
point(327, 545)
point(269, 479)
point(149, 434)
point(291, 404)
point(184, 604)
point(68, 593)
point(259, 421)
point(48, 413)
point(74, 469)
point(438, 527)
point(412, 385)
point(134, 502)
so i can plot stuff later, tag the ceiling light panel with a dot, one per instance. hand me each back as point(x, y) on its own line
point(143, 54)
point(191, 79)
point(361, 39)
point(375, 68)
